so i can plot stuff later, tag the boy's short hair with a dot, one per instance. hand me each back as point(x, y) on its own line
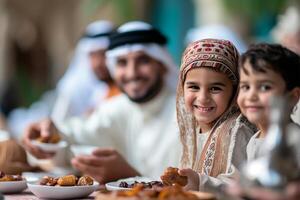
point(274, 57)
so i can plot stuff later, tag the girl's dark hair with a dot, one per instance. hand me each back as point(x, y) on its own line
point(274, 57)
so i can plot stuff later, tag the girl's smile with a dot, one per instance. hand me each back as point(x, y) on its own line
point(207, 94)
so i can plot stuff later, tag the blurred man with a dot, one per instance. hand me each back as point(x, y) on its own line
point(87, 76)
point(87, 81)
point(137, 131)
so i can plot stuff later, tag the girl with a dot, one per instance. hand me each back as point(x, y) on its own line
point(266, 70)
point(213, 133)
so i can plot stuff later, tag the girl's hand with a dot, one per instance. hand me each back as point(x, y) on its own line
point(193, 179)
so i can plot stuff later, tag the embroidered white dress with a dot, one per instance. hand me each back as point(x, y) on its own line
point(236, 156)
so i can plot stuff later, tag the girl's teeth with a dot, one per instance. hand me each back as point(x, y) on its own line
point(205, 109)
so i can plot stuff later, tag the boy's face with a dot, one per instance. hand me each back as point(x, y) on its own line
point(255, 91)
point(207, 94)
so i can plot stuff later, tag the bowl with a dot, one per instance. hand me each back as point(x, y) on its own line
point(62, 192)
point(9, 187)
point(50, 147)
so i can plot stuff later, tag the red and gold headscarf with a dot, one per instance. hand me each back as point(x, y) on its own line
point(222, 56)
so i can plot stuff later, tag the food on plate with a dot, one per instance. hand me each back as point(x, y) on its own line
point(68, 180)
point(53, 139)
point(49, 181)
point(7, 177)
point(171, 176)
point(151, 184)
point(85, 180)
point(174, 192)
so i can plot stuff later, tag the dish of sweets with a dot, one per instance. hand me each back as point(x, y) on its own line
point(169, 178)
point(170, 187)
point(174, 192)
point(51, 144)
point(12, 183)
point(65, 187)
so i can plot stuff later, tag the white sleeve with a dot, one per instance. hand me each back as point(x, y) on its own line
point(208, 181)
point(61, 108)
point(102, 128)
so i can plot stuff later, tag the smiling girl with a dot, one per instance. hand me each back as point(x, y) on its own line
point(213, 133)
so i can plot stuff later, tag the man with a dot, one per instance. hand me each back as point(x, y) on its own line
point(87, 75)
point(136, 130)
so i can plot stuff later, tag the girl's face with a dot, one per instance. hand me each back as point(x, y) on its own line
point(206, 95)
point(255, 91)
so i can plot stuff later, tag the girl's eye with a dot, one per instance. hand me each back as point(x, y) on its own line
point(215, 89)
point(193, 87)
point(265, 88)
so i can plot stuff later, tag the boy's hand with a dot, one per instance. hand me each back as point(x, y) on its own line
point(193, 179)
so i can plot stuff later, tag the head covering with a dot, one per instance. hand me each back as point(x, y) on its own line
point(96, 37)
point(222, 56)
point(217, 31)
point(139, 36)
point(289, 23)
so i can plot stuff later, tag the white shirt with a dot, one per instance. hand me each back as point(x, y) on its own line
point(254, 147)
point(145, 134)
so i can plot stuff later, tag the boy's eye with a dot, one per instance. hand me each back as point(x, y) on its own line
point(265, 88)
point(244, 87)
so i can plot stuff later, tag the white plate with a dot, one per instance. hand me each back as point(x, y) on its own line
point(115, 185)
point(12, 186)
point(50, 147)
point(62, 192)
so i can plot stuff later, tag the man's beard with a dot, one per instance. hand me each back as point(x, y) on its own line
point(151, 92)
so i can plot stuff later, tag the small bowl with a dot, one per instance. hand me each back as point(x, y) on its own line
point(62, 192)
point(49, 147)
point(9, 187)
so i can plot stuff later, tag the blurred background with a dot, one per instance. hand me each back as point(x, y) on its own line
point(38, 37)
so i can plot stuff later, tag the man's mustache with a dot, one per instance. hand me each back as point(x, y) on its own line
point(135, 79)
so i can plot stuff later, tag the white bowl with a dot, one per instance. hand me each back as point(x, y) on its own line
point(78, 150)
point(62, 192)
point(49, 147)
point(12, 186)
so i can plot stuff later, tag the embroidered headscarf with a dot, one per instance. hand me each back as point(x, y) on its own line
point(221, 56)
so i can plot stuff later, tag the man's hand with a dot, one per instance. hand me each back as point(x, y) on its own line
point(104, 165)
point(42, 129)
point(193, 179)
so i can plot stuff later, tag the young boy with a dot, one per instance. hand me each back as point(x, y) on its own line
point(266, 70)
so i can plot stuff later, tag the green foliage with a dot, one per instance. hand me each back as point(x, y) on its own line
point(124, 8)
point(254, 9)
